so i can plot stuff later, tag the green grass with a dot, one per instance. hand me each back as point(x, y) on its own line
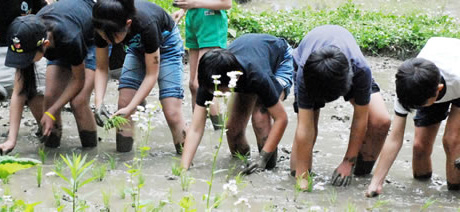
point(429, 202)
point(39, 175)
point(43, 155)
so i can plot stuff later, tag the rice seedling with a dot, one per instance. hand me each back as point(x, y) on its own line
point(115, 122)
point(39, 175)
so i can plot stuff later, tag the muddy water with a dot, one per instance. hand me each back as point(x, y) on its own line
point(270, 190)
point(397, 6)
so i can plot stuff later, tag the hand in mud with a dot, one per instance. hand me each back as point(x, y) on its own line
point(47, 125)
point(184, 4)
point(342, 176)
point(101, 115)
point(373, 191)
point(259, 164)
point(7, 147)
point(125, 112)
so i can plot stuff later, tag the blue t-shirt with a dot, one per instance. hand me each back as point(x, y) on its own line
point(259, 55)
point(70, 22)
point(332, 35)
point(147, 28)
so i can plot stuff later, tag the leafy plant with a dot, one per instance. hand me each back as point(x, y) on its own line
point(185, 180)
point(9, 165)
point(57, 199)
point(187, 203)
point(351, 207)
point(112, 161)
point(106, 199)
point(18, 205)
point(39, 175)
point(115, 122)
point(332, 196)
point(58, 164)
point(43, 155)
point(78, 167)
point(429, 202)
point(379, 204)
point(176, 169)
point(243, 158)
point(99, 172)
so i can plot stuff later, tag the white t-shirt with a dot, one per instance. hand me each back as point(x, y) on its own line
point(445, 54)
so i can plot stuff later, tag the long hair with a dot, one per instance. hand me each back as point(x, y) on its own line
point(29, 82)
point(110, 16)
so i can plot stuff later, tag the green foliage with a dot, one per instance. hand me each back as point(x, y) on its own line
point(112, 161)
point(106, 199)
point(78, 167)
point(58, 164)
point(176, 169)
point(351, 207)
point(332, 196)
point(429, 202)
point(243, 158)
point(187, 203)
point(379, 204)
point(376, 32)
point(115, 122)
point(9, 165)
point(39, 175)
point(43, 155)
point(17, 205)
point(99, 171)
point(186, 180)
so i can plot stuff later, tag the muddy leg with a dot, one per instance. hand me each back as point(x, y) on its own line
point(172, 109)
point(451, 142)
point(423, 147)
point(124, 137)
point(377, 129)
point(261, 123)
point(240, 108)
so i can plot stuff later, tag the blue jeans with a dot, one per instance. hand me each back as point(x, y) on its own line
point(284, 73)
point(171, 67)
point(90, 60)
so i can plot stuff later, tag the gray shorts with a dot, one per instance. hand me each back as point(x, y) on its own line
point(7, 75)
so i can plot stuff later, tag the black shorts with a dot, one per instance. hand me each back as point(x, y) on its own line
point(434, 114)
point(374, 89)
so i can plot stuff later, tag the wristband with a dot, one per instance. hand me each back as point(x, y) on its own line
point(50, 115)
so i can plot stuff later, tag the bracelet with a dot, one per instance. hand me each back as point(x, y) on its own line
point(50, 115)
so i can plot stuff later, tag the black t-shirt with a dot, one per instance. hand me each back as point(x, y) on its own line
point(147, 27)
point(259, 55)
point(10, 9)
point(70, 22)
point(332, 35)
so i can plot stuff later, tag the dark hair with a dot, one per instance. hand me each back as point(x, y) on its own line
point(216, 62)
point(417, 80)
point(110, 16)
point(29, 82)
point(327, 74)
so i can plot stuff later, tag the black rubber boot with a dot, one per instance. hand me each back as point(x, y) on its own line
point(272, 162)
point(217, 121)
point(124, 144)
point(423, 176)
point(88, 138)
point(363, 167)
point(54, 139)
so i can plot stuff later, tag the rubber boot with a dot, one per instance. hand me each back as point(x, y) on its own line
point(423, 177)
point(54, 139)
point(88, 138)
point(124, 144)
point(453, 187)
point(363, 167)
point(272, 162)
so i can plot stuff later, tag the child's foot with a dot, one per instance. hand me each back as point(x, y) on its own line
point(6, 147)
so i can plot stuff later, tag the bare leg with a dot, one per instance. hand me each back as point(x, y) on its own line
point(423, 147)
point(125, 134)
point(172, 109)
point(377, 129)
point(82, 112)
point(451, 142)
point(241, 106)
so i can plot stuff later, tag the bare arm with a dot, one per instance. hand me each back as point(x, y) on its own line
point(388, 155)
point(194, 135)
point(152, 69)
point(208, 4)
point(101, 76)
point(357, 131)
point(304, 140)
point(16, 107)
point(279, 126)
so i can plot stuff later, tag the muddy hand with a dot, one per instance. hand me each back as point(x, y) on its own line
point(6, 147)
point(259, 164)
point(340, 180)
point(101, 115)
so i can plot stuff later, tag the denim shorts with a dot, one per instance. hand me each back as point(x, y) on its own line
point(171, 67)
point(90, 60)
point(284, 73)
point(433, 114)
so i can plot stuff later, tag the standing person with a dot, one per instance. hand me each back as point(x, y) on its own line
point(30, 93)
point(429, 83)
point(266, 64)
point(65, 37)
point(206, 28)
point(330, 64)
point(154, 53)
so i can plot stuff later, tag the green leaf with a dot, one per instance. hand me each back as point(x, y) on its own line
point(9, 165)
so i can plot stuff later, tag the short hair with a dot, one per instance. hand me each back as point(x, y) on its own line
point(327, 74)
point(110, 16)
point(216, 62)
point(417, 80)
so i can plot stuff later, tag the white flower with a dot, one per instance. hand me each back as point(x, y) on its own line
point(215, 77)
point(142, 127)
point(150, 107)
point(231, 187)
point(140, 108)
point(234, 74)
point(216, 82)
point(218, 94)
point(228, 94)
point(134, 117)
point(207, 103)
point(242, 200)
point(232, 83)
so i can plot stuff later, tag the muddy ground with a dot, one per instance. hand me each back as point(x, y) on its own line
point(269, 190)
